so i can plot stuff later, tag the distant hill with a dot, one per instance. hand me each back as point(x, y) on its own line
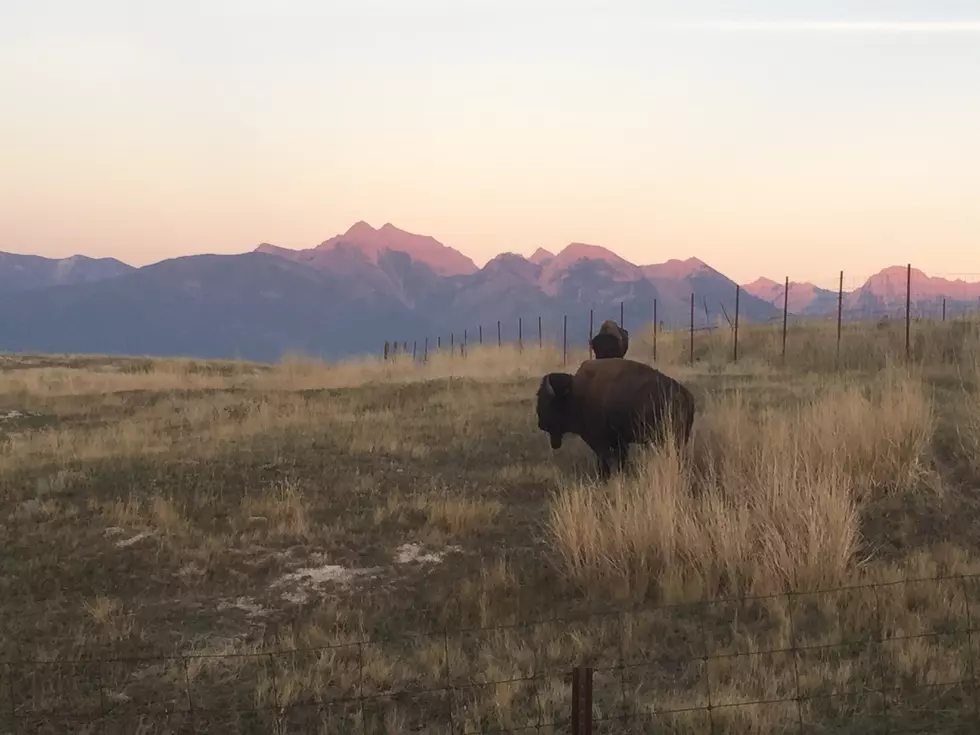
point(714, 294)
point(355, 290)
point(27, 272)
point(253, 306)
point(804, 298)
point(885, 292)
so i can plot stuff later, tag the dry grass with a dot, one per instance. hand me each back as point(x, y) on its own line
point(227, 510)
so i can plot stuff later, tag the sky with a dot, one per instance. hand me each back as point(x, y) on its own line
point(764, 137)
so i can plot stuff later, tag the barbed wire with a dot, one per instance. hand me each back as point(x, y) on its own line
point(287, 696)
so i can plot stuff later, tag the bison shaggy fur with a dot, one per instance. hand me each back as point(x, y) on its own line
point(611, 341)
point(612, 403)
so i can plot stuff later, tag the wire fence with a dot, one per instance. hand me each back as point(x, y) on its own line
point(897, 299)
point(885, 657)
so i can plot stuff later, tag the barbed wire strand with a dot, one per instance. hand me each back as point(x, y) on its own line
point(540, 672)
point(566, 620)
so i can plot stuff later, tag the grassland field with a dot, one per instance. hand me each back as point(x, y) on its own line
point(225, 510)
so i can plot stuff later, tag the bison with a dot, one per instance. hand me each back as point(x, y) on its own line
point(611, 341)
point(612, 403)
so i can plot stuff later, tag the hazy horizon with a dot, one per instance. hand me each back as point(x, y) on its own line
point(772, 141)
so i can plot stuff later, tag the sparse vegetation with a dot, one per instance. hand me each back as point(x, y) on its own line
point(227, 509)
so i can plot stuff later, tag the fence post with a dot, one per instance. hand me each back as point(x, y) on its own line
point(622, 316)
point(908, 311)
point(944, 308)
point(692, 327)
point(582, 700)
point(386, 349)
point(462, 347)
point(452, 344)
point(425, 351)
point(415, 346)
point(540, 343)
point(590, 334)
point(481, 335)
point(654, 330)
point(785, 314)
point(520, 334)
point(439, 343)
point(498, 333)
point(840, 309)
point(738, 290)
point(564, 339)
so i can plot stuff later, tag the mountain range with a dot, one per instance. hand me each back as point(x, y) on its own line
point(352, 292)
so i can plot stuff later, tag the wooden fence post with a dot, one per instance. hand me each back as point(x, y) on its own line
point(622, 315)
point(520, 334)
point(498, 333)
point(386, 349)
point(582, 700)
point(540, 340)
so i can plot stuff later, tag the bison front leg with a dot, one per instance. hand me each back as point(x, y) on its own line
point(620, 455)
point(604, 461)
point(612, 459)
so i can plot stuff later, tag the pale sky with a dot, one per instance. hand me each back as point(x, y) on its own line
point(784, 138)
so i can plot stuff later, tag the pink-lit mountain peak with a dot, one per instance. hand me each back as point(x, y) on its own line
point(541, 256)
point(360, 231)
point(676, 268)
point(761, 283)
point(443, 260)
point(895, 276)
point(579, 250)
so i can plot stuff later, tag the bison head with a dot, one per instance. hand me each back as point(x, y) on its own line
point(554, 399)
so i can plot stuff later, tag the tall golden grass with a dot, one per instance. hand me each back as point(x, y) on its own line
point(758, 501)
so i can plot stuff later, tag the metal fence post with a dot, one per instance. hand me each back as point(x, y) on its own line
point(785, 315)
point(590, 333)
point(908, 312)
point(738, 290)
point(654, 330)
point(564, 339)
point(692, 327)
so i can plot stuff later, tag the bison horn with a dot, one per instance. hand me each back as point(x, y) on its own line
point(548, 388)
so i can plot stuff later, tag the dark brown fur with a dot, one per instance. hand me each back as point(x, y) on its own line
point(611, 341)
point(612, 403)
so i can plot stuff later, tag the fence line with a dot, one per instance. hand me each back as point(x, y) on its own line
point(657, 326)
point(555, 691)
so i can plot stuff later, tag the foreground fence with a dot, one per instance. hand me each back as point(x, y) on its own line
point(934, 308)
point(887, 657)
